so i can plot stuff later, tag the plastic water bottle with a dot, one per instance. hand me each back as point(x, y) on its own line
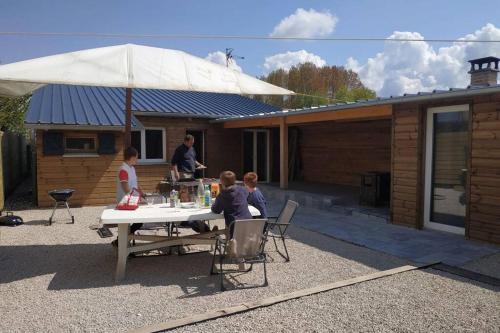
point(208, 196)
point(173, 198)
point(201, 194)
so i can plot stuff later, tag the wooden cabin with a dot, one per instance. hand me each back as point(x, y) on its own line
point(79, 136)
point(442, 148)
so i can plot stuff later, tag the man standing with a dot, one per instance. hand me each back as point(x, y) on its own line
point(184, 163)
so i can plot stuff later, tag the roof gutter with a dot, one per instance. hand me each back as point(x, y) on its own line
point(382, 101)
point(48, 127)
point(172, 115)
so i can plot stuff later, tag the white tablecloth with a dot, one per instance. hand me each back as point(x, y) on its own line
point(161, 213)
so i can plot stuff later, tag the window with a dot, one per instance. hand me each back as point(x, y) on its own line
point(136, 141)
point(80, 143)
point(150, 143)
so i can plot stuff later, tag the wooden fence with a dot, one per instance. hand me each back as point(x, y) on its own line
point(15, 160)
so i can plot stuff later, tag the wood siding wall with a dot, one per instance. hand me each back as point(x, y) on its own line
point(484, 210)
point(483, 191)
point(337, 152)
point(406, 166)
point(94, 178)
point(224, 150)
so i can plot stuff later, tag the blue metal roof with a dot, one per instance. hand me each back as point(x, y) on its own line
point(405, 98)
point(101, 106)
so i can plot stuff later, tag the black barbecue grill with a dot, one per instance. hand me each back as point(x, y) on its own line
point(61, 197)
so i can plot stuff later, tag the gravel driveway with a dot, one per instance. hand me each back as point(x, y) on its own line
point(60, 279)
point(415, 301)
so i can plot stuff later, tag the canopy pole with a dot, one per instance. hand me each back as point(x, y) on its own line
point(128, 116)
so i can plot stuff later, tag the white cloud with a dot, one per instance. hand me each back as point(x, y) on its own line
point(220, 58)
point(416, 66)
point(306, 23)
point(291, 58)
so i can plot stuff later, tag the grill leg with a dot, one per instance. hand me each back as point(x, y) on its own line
point(69, 212)
point(53, 212)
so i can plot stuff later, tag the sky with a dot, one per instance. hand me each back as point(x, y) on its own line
point(390, 68)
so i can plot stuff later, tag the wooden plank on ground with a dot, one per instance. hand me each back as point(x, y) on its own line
point(273, 300)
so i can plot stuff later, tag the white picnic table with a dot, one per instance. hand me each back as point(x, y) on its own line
point(158, 213)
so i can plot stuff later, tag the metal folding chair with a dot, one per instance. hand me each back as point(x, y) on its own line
point(279, 225)
point(245, 246)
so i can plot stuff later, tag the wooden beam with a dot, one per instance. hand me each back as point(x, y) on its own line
point(363, 113)
point(355, 114)
point(257, 122)
point(283, 153)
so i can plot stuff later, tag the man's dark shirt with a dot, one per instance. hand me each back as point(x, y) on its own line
point(184, 158)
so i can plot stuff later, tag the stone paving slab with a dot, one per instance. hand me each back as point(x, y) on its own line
point(423, 246)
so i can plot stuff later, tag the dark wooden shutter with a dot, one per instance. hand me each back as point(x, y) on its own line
point(106, 143)
point(53, 143)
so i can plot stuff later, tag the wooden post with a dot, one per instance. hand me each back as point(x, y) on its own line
point(283, 153)
point(128, 117)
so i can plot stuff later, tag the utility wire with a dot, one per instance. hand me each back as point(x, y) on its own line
point(236, 37)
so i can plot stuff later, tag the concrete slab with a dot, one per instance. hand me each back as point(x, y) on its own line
point(375, 233)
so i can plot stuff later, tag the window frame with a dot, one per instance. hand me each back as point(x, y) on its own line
point(143, 158)
point(69, 152)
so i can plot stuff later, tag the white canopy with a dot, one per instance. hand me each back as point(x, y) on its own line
point(130, 66)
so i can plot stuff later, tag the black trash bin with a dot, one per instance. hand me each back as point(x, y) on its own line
point(375, 188)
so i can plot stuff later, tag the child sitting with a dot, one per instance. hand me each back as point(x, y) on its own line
point(255, 196)
point(232, 200)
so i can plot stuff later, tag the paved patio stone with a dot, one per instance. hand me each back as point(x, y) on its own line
point(375, 233)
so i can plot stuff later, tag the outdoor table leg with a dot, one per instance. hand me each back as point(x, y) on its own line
point(121, 264)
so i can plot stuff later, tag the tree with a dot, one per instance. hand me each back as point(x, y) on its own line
point(12, 113)
point(350, 95)
point(316, 86)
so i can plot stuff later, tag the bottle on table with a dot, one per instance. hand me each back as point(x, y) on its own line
point(208, 196)
point(173, 198)
point(214, 189)
point(201, 193)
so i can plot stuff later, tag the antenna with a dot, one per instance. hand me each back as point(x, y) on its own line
point(230, 56)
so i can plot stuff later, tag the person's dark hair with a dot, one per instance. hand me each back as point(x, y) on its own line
point(227, 178)
point(129, 153)
point(188, 138)
point(250, 179)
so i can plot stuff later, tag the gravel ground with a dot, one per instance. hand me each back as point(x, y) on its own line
point(21, 198)
point(416, 301)
point(60, 278)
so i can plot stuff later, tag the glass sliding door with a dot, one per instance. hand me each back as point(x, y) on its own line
point(262, 155)
point(256, 153)
point(446, 168)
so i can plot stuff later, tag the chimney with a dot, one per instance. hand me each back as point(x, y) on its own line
point(483, 71)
